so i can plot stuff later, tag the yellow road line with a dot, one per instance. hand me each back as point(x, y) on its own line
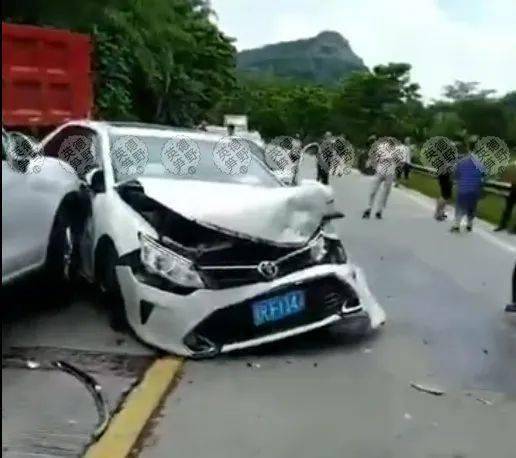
point(126, 426)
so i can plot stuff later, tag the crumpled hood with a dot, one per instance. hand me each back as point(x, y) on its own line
point(284, 215)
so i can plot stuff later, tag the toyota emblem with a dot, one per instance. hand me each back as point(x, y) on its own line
point(268, 269)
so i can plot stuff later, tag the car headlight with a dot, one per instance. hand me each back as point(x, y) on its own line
point(318, 249)
point(162, 261)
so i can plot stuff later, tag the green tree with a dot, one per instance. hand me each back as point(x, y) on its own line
point(466, 90)
point(377, 103)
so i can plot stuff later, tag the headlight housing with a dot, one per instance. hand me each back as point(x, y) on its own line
point(164, 262)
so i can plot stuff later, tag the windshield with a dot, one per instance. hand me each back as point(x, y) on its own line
point(234, 160)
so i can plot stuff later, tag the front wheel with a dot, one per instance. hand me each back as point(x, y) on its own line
point(62, 257)
point(110, 288)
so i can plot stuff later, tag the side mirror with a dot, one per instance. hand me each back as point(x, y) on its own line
point(311, 149)
point(95, 181)
point(20, 149)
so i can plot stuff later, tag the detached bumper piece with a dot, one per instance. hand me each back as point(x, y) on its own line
point(328, 300)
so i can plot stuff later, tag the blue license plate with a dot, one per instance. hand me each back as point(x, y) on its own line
point(278, 307)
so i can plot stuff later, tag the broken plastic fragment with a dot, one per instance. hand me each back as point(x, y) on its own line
point(407, 416)
point(485, 401)
point(427, 389)
point(367, 350)
point(31, 364)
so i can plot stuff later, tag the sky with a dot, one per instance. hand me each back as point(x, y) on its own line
point(443, 40)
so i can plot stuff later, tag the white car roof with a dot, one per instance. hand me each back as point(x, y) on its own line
point(142, 129)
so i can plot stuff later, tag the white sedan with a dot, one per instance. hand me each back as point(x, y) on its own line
point(39, 201)
point(200, 248)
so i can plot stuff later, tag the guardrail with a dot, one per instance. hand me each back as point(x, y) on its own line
point(491, 186)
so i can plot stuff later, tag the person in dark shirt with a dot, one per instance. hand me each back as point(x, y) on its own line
point(446, 186)
point(512, 307)
point(509, 176)
point(507, 213)
point(323, 164)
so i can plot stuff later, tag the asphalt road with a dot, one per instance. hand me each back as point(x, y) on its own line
point(47, 412)
point(335, 396)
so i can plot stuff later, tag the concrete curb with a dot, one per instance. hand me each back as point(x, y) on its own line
point(126, 426)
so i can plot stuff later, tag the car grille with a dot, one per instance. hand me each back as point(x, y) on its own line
point(226, 275)
point(325, 296)
point(231, 277)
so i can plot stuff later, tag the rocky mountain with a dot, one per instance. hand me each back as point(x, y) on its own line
point(325, 58)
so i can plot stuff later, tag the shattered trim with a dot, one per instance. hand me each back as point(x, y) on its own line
point(95, 390)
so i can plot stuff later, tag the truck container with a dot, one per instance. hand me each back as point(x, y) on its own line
point(46, 77)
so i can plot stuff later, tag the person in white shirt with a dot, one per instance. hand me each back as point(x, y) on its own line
point(405, 151)
point(385, 158)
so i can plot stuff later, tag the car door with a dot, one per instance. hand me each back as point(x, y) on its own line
point(19, 244)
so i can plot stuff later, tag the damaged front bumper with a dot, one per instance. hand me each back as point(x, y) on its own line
point(206, 322)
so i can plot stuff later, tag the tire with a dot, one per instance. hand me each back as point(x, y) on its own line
point(62, 258)
point(110, 289)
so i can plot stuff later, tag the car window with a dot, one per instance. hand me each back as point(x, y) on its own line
point(179, 158)
point(78, 146)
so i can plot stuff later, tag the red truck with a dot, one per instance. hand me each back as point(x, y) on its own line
point(46, 77)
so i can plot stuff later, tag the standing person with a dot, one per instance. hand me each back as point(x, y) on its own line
point(295, 151)
point(384, 162)
point(231, 130)
point(323, 165)
point(512, 307)
point(407, 158)
point(469, 175)
point(403, 169)
point(446, 186)
point(510, 177)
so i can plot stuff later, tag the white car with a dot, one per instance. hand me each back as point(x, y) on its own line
point(39, 197)
point(202, 260)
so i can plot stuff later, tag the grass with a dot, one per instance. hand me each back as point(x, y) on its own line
point(490, 207)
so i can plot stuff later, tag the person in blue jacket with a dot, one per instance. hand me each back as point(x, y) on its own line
point(469, 175)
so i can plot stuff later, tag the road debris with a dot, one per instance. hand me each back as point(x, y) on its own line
point(427, 389)
point(315, 364)
point(485, 351)
point(485, 401)
point(95, 390)
point(407, 416)
point(31, 364)
point(367, 350)
point(254, 365)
